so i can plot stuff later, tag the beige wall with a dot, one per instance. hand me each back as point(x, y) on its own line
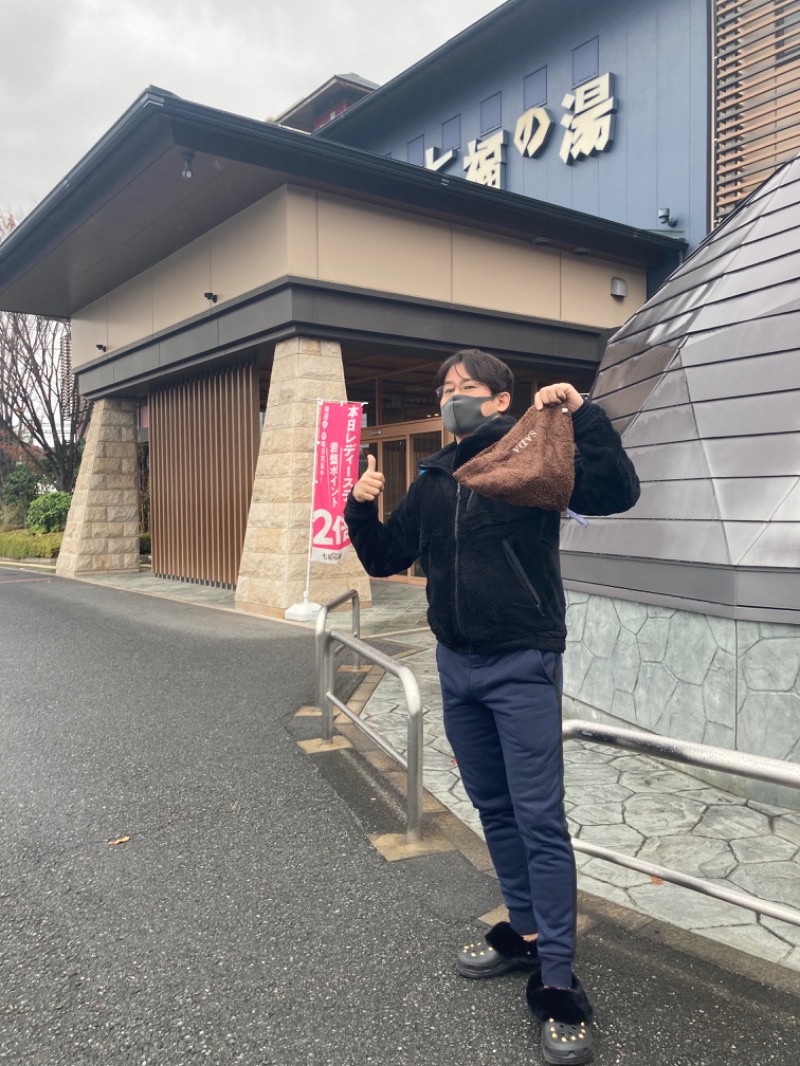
point(333, 239)
point(241, 254)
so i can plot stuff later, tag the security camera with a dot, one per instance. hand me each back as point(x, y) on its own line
point(665, 218)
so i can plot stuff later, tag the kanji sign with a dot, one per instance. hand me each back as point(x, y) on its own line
point(486, 160)
point(335, 473)
point(533, 131)
point(589, 119)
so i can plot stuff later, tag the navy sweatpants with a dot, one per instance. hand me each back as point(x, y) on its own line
point(502, 716)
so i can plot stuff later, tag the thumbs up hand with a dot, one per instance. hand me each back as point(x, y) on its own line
point(370, 485)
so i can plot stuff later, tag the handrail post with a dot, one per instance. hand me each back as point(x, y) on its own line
point(326, 676)
point(320, 625)
point(355, 626)
point(325, 644)
point(414, 782)
point(320, 640)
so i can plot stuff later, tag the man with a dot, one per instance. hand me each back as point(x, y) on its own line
point(496, 606)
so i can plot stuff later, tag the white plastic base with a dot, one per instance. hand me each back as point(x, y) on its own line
point(302, 612)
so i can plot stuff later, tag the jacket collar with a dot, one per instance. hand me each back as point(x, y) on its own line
point(453, 455)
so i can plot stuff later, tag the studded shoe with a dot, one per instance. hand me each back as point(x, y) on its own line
point(502, 951)
point(566, 1017)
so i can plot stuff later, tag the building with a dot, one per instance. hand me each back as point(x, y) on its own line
point(526, 189)
point(326, 103)
point(667, 113)
point(205, 258)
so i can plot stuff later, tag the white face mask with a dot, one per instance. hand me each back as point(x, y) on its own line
point(462, 415)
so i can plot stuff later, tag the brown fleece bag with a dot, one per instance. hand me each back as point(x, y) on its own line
point(533, 465)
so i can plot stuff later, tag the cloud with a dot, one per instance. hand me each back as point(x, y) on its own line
point(70, 69)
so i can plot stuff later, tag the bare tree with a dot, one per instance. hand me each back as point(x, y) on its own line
point(42, 417)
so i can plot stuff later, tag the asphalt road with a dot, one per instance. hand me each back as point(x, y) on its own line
point(247, 919)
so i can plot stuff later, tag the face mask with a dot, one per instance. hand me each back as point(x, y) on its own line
point(462, 415)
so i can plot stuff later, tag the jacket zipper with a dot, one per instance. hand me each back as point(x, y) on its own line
point(456, 606)
point(519, 570)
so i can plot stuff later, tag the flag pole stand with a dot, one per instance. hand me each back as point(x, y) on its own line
point(307, 611)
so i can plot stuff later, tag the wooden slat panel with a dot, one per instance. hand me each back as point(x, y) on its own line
point(755, 94)
point(760, 115)
point(204, 445)
point(758, 153)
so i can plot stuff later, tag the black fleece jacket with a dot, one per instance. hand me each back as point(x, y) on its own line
point(494, 578)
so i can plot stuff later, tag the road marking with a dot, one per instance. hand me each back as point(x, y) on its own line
point(17, 580)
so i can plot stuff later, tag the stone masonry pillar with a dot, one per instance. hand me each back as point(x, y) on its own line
point(272, 572)
point(102, 532)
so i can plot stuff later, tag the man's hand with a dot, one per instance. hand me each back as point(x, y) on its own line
point(370, 485)
point(553, 395)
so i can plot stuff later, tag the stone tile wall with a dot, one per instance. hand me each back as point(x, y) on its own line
point(102, 532)
point(694, 677)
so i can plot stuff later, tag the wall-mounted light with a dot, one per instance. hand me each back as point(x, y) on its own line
point(619, 288)
point(212, 296)
point(665, 218)
point(187, 173)
point(100, 347)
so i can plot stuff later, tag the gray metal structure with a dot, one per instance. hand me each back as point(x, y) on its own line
point(703, 384)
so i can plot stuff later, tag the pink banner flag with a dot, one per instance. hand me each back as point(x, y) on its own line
point(335, 473)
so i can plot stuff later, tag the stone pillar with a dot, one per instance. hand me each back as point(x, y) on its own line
point(272, 572)
point(102, 532)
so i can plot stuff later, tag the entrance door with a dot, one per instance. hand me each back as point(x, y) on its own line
point(399, 449)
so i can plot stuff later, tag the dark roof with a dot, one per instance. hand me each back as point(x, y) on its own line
point(454, 54)
point(703, 384)
point(125, 207)
point(303, 114)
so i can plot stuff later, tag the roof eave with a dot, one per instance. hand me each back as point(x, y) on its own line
point(157, 114)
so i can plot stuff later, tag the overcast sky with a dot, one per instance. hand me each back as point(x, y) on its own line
point(70, 68)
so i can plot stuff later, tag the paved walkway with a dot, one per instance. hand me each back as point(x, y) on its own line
point(640, 806)
point(626, 802)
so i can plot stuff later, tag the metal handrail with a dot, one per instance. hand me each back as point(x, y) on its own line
point(326, 641)
point(321, 624)
point(734, 762)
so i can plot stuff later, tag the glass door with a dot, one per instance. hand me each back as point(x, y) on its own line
point(399, 449)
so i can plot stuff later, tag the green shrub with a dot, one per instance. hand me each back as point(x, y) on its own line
point(19, 544)
point(48, 513)
point(19, 488)
point(11, 516)
point(144, 543)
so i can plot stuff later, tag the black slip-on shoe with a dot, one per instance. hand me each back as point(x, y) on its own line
point(566, 1018)
point(503, 950)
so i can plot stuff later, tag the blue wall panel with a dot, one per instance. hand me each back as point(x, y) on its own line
point(658, 51)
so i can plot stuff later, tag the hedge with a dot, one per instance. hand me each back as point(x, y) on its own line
point(18, 544)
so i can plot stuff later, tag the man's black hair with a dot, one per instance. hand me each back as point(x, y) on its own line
point(480, 366)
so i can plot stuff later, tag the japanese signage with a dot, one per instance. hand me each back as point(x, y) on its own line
point(588, 121)
point(335, 473)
